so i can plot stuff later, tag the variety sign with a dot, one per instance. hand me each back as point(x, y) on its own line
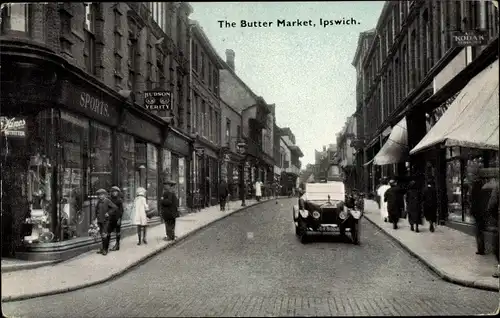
point(469, 38)
point(13, 127)
point(155, 100)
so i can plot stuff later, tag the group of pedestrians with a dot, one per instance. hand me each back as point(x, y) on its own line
point(417, 202)
point(108, 214)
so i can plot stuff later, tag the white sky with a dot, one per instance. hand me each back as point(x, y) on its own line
point(306, 71)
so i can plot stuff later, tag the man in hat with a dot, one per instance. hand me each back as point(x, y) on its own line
point(169, 209)
point(395, 203)
point(104, 208)
point(115, 218)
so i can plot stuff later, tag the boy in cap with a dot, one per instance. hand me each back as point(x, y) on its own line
point(103, 210)
point(115, 219)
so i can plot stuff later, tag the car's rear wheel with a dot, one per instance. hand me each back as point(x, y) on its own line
point(355, 235)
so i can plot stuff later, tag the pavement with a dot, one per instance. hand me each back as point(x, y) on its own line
point(251, 264)
point(448, 252)
point(90, 268)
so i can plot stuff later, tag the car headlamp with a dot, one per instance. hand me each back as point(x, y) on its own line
point(343, 214)
point(316, 214)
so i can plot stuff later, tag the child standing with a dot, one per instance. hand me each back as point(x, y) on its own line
point(140, 218)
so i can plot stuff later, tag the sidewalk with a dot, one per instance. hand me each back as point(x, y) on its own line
point(90, 268)
point(448, 252)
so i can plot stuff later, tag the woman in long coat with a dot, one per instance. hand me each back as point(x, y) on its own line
point(395, 203)
point(414, 205)
point(430, 204)
point(140, 217)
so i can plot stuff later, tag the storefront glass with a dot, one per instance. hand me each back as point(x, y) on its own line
point(174, 172)
point(140, 165)
point(127, 169)
point(152, 176)
point(75, 207)
point(454, 189)
point(101, 159)
point(182, 183)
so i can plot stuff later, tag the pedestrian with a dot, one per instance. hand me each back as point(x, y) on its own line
point(477, 207)
point(104, 208)
point(258, 190)
point(395, 203)
point(223, 193)
point(430, 204)
point(140, 217)
point(115, 220)
point(381, 201)
point(414, 205)
point(493, 211)
point(169, 209)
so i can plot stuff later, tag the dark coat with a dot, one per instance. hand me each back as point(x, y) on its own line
point(118, 201)
point(395, 202)
point(223, 190)
point(492, 207)
point(430, 204)
point(169, 206)
point(104, 207)
point(414, 205)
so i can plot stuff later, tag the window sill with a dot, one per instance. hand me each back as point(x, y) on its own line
point(118, 74)
point(118, 30)
point(118, 53)
point(78, 35)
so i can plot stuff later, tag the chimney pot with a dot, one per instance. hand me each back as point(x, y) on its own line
point(230, 58)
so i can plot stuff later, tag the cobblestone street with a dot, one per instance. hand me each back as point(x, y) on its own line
point(251, 264)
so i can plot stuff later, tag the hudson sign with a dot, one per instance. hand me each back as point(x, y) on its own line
point(157, 100)
point(469, 38)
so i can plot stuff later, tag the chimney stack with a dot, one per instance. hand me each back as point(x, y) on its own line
point(230, 58)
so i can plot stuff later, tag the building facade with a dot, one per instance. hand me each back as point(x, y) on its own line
point(346, 153)
point(257, 123)
point(73, 117)
point(231, 137)
point(205, 117)
point(290, 155)
point(412, 72)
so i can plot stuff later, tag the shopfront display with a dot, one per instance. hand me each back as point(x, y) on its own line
point(127, 168)
point(174, 168)
point(152, 176)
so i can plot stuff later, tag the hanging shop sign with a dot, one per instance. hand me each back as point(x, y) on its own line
point(13, 127)
point(469, 38)
point(157, 100)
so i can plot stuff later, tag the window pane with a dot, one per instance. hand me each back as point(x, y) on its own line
point(152, 161)
point(127, 170)
point(18, 17)
point(100, 157)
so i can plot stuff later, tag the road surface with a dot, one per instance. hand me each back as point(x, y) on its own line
point(251, 264)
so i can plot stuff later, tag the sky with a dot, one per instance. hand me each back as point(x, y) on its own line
point(306, 71)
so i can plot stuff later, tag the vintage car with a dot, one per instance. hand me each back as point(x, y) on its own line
point(323, 208)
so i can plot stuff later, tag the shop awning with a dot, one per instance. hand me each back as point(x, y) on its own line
point(396, 147)
point(368, 163)
point(472, 118)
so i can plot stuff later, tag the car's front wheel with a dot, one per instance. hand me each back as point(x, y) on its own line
point(355, 232)
point(301, 231)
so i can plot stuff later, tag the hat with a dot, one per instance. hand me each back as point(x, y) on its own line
point(115, 188)
point(140, 191)
point(101, 191)
point(392, 182)
point(169, 182)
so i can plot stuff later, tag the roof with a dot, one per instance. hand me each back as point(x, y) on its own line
point(361, 38)
point(196, 27)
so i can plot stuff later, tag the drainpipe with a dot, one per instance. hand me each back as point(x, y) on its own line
point(192, 178)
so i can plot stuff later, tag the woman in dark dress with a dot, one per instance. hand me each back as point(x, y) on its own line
point(414, 206)
point(430, 204)
point(395, 203)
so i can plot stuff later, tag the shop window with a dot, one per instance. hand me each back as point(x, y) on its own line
point(152, 175)
point(75, 207)
point(15, 18)
point(175, 172)
point(140, 165)
point(127, 171)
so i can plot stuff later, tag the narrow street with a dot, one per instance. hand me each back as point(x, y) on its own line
point(251, 264)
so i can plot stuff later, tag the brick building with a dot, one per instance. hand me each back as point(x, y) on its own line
point(411, 73)
point(206, 110)
point(73, 118)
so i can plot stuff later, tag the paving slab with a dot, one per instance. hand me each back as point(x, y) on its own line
point(90, 268)
point(448, 252)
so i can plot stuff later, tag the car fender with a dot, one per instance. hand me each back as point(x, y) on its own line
point(304, 213)
point(295, 212)
point(356, 214)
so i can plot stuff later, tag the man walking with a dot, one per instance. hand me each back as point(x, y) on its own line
point(103, 210)
point(395, 203)
point(169, 209)
point(477, 207)
point(492, 209)
point(223, 193)
point(430, 204)
point(115, 219)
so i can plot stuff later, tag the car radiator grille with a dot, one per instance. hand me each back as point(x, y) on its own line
point(329, 216)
